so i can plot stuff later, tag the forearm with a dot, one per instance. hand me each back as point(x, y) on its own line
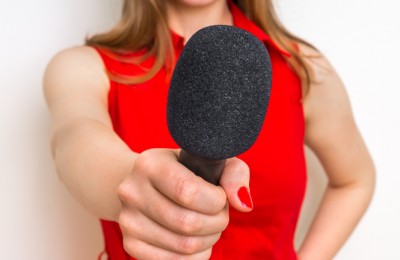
point(340, 211)
point(92, 161)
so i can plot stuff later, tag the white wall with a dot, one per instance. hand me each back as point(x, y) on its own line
point(361, 39)
point(39, 220)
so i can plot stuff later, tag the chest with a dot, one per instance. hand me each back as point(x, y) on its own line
point(276, 159)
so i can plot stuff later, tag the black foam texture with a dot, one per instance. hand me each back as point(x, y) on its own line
point(219, 92)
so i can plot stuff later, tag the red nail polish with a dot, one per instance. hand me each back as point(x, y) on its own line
point(245, 198)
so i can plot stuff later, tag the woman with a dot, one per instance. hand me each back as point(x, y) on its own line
point(112, 148)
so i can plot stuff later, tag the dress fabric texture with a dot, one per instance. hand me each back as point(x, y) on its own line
point(276, 160)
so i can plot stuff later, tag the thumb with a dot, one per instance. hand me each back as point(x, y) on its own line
point(235, 182)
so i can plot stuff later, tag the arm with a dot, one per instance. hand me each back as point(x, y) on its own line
point(332, 134)
point(147, 193)
point(90, 158)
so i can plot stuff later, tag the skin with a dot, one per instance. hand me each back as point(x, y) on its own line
point(186, 17)
point(151, 193)
point(332, 134)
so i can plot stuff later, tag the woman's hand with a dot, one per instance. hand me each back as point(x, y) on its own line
point(169, 213)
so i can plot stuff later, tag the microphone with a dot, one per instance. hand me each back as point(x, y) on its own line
point(218, 98)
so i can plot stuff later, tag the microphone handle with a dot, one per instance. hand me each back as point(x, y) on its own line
point(209, 170)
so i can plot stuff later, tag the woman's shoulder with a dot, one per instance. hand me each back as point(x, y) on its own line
point(77, 69)
point(322, 71)
point(76, 61)
point(78, 56)
point(325, 81)
point(327, 103)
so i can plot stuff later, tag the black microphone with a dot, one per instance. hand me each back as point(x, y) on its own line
point(218, 98)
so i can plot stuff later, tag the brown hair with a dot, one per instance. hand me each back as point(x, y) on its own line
point(143, 26)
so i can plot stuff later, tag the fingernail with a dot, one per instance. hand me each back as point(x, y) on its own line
point(245, 198)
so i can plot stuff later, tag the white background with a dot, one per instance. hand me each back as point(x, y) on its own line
point(39, 220)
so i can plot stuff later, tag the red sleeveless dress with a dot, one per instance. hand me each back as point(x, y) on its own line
point(276, 161)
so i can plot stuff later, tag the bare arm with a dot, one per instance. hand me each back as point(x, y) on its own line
point(332, 134)
point(90, 158)
point(147, 193)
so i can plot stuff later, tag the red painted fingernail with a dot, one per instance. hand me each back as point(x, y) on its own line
point(245, 198)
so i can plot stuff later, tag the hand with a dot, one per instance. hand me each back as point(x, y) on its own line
point(170, 213)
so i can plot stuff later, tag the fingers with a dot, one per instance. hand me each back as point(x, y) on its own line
point(171, 215)
point(167, 212)
point(235, 182)
point(142, 250)
point(189, 191)
point(160, 237)
point(184, 221)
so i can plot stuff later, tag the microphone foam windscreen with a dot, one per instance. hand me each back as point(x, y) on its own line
point(219, 92)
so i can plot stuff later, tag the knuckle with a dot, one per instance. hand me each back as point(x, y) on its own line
point(188, 224)
point(122, 192)
point(185, 191)
point(220, 202)
point(131, 247)
point(124, 221)
point(187, 245)
point(143, 163)
point(127, 195)
point(222, 220)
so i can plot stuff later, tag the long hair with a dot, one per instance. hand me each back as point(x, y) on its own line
point(143, 26)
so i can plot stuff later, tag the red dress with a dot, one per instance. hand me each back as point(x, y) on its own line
point(276, 161)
